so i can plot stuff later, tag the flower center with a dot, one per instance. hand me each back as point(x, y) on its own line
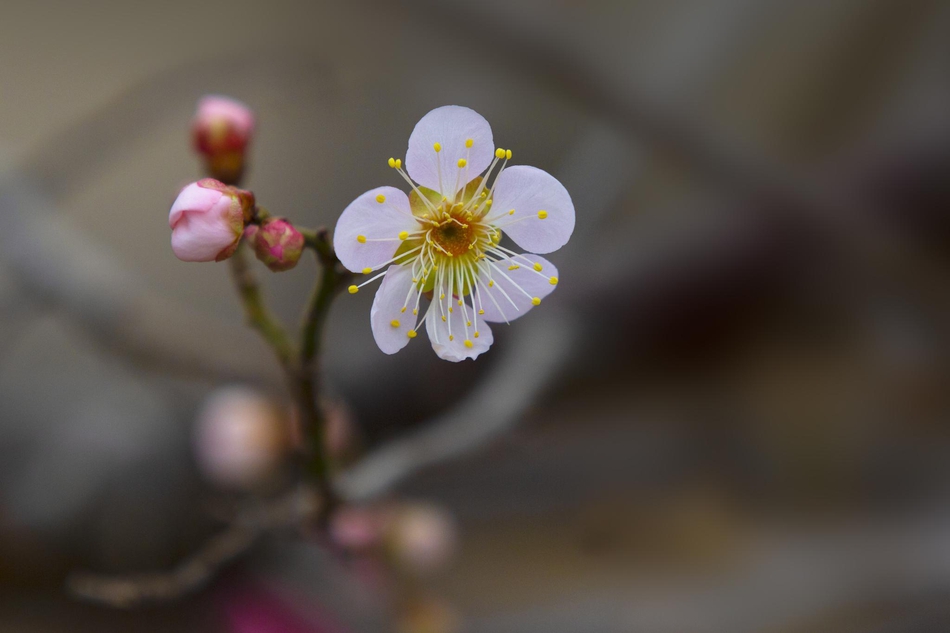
point(454, 236)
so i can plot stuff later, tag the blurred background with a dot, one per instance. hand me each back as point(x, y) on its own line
point(731, 417)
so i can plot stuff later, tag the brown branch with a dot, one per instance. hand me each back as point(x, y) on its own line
point(293, 510)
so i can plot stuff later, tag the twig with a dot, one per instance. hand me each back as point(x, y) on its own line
point(332, 279)
point(293, 510)
point(255, 309)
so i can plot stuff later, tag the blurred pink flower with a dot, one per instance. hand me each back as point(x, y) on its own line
point(422, 538)
point(207, 220)
point(276, 243)
point(240, 438)
point(221, 130)
point(442, 240)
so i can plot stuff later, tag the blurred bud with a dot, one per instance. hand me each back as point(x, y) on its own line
point(422, 538)
point(428, 615)
point(207, 220)
point(222, 129)
point(240, 438)
point(356, 528)
point(276, 243)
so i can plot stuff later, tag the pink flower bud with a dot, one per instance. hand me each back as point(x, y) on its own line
point(278, 244)
point(222, 129)
point(207, 220)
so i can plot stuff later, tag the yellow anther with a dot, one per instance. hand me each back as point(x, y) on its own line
point(476, 334)
point(508, 154)
point(403, 309)
point(537, 267)
point(469, 142)
point(542, 215)
point(491, 282)
point(443, 318)
point(481, 255)
point(442, 296)
point(394, 323)
point(451, 337)
point(512, 212)
point(481, 312)
point(367, 271)
point(514, 267)
point(361, 239)
point(496, 238)
point(411, 334)
point(392, 163)
point(488, 203)
point(499, 153)
point(437, 147)
point(380, 198)
point(460, 302)
point(403, 235)
point(553, 281)
point(484, 194)
point(415, 310)
point(462, 163)
point(398, 163)
point(353, 290)
point(468, 323)
point(469, 344)
point(451, 309)
point(536, 301)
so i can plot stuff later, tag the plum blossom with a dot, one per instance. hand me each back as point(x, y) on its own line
point(207, 220)
point(443, 240)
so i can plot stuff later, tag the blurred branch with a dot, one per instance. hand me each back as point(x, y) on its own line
point(55, 264)
point(290, 511)
point(493, 407)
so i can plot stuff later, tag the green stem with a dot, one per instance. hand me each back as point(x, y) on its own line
point(258, 315)
point(332, 279)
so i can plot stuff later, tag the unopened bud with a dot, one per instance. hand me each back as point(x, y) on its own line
point(207, 220)
point(222, 130)
point(278, 244)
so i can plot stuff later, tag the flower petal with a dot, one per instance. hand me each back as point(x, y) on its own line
point(450, 127)
point(506, 301)
point(456, 349)
point(204, 236)
point(192, 197)
point(366, 220)
point(391, 324)
point(540, 202)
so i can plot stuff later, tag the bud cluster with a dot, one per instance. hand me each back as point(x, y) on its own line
point(210, 216)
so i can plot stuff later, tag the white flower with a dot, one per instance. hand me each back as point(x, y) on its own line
point(443, 239)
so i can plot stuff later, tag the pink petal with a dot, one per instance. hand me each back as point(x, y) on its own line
point(533, 283)
point(530, 191)
point(456, 350)
point(388, 306)
point(451, 127)
point(192, 197)
point(200, 236)
point(373, 220)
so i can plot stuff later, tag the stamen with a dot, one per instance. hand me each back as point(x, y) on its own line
point(380, 198)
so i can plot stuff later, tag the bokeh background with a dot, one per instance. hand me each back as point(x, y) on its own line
point(731, 417)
